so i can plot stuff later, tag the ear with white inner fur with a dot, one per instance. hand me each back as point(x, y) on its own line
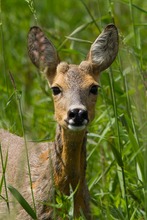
point(104, 50)
point(41, 51)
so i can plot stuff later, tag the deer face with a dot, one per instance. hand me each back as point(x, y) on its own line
point(75, 94)
point(74, 87)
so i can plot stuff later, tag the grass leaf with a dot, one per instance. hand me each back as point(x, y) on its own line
point(22, 202)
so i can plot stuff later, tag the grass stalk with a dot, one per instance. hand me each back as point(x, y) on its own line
point(31, 5)
point(132, 21)
point(118, 139)
point(3, 180)
point(90, 14)
point(2, 49)
point(18, 98)
point(145, 175)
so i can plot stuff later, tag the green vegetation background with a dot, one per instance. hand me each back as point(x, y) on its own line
point(117, 139)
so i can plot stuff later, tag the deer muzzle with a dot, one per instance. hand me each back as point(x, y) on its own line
point(77, 119)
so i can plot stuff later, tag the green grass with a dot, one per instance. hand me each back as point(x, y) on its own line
point(117, 139)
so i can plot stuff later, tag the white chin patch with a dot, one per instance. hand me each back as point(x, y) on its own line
point(76, 128)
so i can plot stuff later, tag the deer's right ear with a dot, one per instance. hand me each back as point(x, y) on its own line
point(41, 51)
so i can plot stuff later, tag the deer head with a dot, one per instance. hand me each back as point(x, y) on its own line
point(74, 87)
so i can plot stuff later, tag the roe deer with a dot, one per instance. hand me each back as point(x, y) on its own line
point(60, 165)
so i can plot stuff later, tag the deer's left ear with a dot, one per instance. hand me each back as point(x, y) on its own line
point(104, 50)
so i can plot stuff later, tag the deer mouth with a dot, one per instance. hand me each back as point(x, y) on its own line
point(76, 126)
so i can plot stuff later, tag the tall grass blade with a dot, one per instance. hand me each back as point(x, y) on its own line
point(117, 156)
point(135, 146)
point(22, 202)
point(3, 179)
point(96, 179)
point(31, 6)
point(77, 30)
point(118, 139)
point(90, 14)
point(18, 98)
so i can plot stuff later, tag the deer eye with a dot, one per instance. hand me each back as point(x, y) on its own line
point(56, 90)
point(94, 90)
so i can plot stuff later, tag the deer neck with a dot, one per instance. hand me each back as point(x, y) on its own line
point(70, 147)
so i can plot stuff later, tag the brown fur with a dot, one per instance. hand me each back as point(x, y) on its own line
point(59, 165)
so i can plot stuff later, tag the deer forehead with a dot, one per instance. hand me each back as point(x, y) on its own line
point(74, 76)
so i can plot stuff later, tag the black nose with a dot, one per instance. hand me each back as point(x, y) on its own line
point(78, 117)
